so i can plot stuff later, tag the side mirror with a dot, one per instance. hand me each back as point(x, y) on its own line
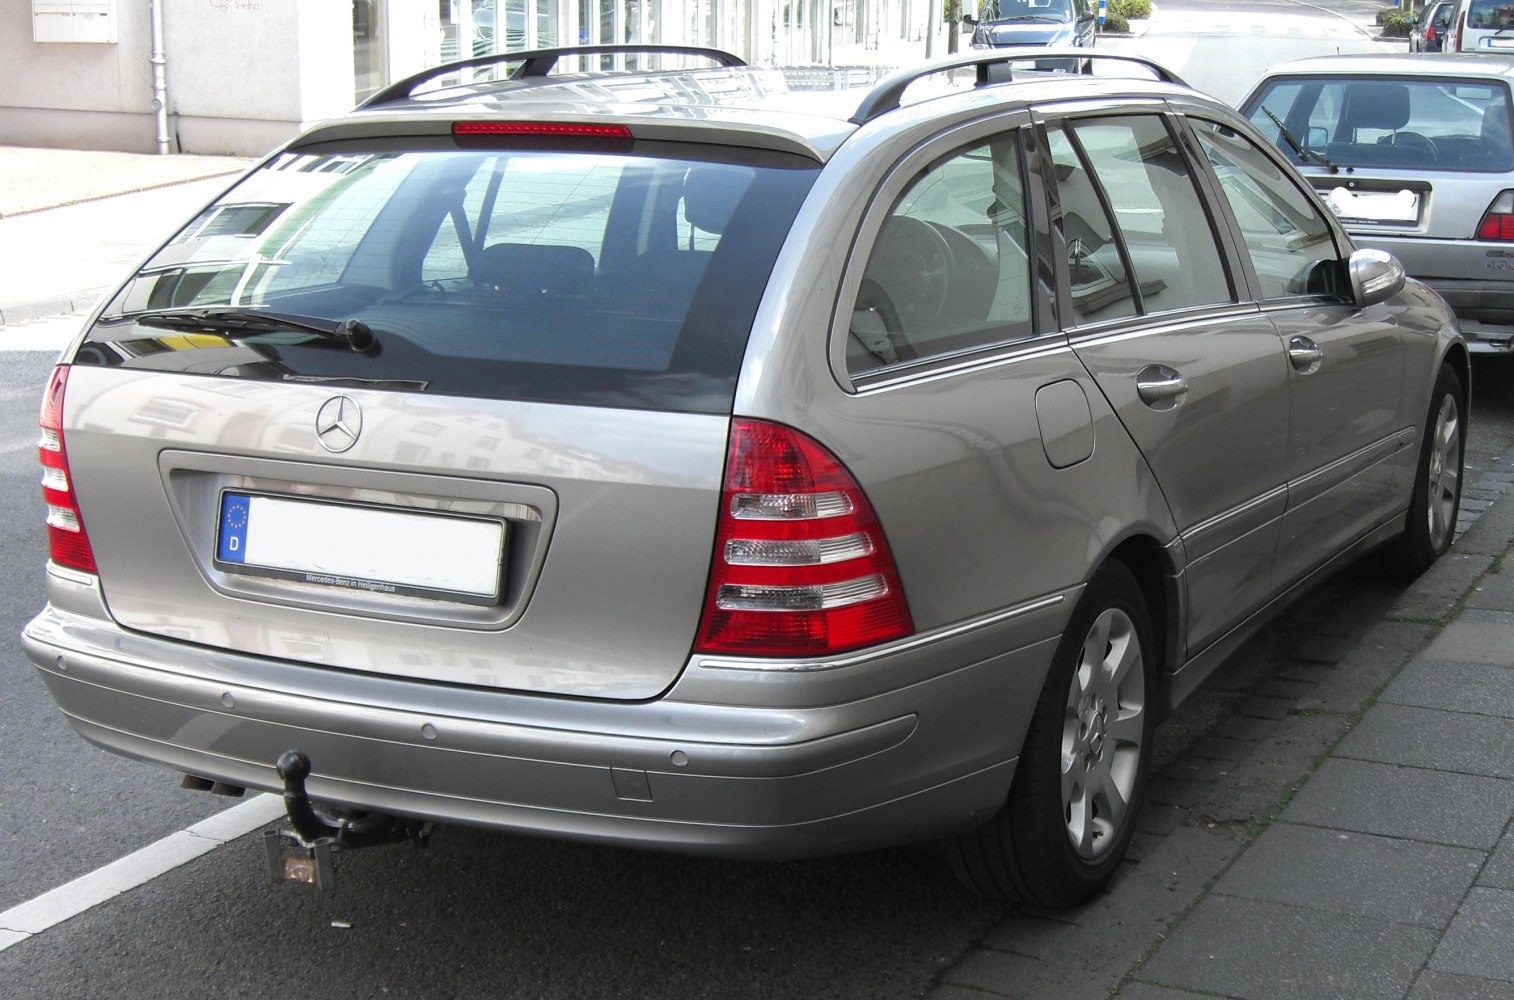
point(1376, 275)
point(969, 19)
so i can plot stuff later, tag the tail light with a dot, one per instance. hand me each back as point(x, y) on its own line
point(1497, 223)
point(68, 545)
point(1430, 34)
point(801, 567)
point(1461, 26)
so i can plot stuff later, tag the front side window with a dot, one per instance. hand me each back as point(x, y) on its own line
point(949, 270)
point(1292, 249)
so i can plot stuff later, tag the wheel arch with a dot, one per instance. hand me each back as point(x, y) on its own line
point(1155, 571)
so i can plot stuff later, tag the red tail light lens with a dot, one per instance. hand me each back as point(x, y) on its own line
point(801, 567)
point(1461, 26)
point(1497, 223)
point(68, 545)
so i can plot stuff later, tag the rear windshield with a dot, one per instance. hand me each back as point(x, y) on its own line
point(1490, 14)
point(1419, 124)
point(625, 277)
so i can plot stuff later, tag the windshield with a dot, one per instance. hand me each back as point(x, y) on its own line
point(1404, 122)
point(1015, 10)
point(626, 277)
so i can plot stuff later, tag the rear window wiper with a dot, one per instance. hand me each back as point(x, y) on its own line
point(1304, 153)
point(352, 333)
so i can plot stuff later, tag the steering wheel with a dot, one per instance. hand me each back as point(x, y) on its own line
point(1413, 140)
point(912, 263)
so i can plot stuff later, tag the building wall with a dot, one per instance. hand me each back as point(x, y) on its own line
point(244, 76)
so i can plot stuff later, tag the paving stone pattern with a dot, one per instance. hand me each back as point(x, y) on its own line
point(1341, 829)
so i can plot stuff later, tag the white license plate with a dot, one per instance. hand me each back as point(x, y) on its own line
point(375, 549)
point(1500, 42)
point(1373, 206)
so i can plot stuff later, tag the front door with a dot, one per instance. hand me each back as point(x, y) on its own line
point(1345, 366)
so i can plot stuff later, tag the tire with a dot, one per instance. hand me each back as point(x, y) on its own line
point(1436, 498)
point(1081, 778)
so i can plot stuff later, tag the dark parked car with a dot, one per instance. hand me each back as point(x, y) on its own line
point(685, 460)
point(1430, 29)
point(1011, 23)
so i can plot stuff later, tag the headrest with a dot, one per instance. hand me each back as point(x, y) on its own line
point(534, 268)
point(710, 195)
point(1376, 105)
point(1495, 125)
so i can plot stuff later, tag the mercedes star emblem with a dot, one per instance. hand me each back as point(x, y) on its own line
point(338, 424)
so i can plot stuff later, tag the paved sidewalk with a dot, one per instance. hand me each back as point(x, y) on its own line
point(98, 211)
point(1346, 834)
point(32, 180)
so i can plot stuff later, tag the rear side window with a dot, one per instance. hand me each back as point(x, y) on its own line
point(1129, 209)
point(1412, 123)
point(949, 270)
point(624, 277)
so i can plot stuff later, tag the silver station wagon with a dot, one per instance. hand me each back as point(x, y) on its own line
point(710, 460)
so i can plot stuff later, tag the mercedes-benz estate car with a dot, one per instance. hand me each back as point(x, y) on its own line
point(687, 460)
point(1413, 154)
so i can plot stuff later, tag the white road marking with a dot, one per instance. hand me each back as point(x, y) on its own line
point(31, 918)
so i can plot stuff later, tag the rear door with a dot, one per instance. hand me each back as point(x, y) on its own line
point(1194, 371)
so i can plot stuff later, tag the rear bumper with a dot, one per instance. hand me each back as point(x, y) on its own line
point(903, 765)
point(1476, 280)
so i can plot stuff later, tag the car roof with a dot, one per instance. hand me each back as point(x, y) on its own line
point(1439, 64)
point(807, 111)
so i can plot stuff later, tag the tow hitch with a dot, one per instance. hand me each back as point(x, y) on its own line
point(299, 849)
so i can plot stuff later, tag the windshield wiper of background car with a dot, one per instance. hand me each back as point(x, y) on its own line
point(1305, 154)
point(352, 333)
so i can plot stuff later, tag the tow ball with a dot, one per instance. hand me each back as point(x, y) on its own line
point(300, 847)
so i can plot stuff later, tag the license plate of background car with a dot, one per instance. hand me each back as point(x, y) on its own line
point(376, 549)
point(1373, 206)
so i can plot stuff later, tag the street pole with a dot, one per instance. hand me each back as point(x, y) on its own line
point(953, 15)
point(159, 80)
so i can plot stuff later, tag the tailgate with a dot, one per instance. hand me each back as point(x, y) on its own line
point(571, 545)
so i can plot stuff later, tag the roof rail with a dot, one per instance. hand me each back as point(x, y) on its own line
point(539, 62)
point(885, 97)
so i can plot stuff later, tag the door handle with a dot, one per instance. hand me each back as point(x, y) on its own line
point(1305, 355)
point(1160, 387)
